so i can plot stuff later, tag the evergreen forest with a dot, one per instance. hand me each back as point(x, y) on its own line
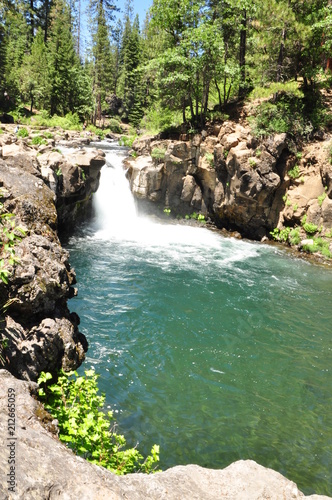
point(183, 64)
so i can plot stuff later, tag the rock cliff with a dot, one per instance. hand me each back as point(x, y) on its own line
point(44, 190)
point(43, 468)
point(239, 182)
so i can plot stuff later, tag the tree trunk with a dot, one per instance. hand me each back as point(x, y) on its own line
point(242, 58)
point(281, 55)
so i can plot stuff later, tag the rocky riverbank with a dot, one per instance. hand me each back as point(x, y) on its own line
point(44, 190)
point(241, 183)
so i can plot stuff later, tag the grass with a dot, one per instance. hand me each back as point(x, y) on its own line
point(291, 112)
point(268, 90)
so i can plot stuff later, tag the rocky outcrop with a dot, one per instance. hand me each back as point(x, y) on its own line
point(44, 190)
point(239, 182)
point(226, 177)
point(43, 468)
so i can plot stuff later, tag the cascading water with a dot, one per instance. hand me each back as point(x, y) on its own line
point(214, 348)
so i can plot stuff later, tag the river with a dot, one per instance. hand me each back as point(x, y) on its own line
point(215, 348)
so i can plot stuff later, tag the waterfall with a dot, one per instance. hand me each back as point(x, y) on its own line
point(170, 242)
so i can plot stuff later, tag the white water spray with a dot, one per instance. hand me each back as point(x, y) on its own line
point(118, 221)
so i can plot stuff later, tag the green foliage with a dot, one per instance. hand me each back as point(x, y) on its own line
point(10, 235)
point(127, 141)
point(321, 198)
point(22, 132)
point(159, 118)
point(252, 163)
point(196, 216)
point(210, 159)
point(280, 234)
point(266, 91)
point(167, 211)
point(289, 113)
point(38, 140)
point(294, 173)
point(114, 126)
point(86, 428)
point(97, 131)
point(158, 154)
point(319, 245)
point(294, 236)
point(310, 228)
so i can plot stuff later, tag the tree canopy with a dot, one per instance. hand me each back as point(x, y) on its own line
point(187, 57)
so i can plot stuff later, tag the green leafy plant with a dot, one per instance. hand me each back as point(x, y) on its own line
point(310, 228)
point(280, 234)
point(258, 153)
point(48, 135)
point(10, 235)
point(295, 207)
point(196, 216)
point(158, 154)
point(321, 198)
point(86, 428)
point(22, 132)
point(127, 141)
point(252, 162)
point(319, 245)
point(210, 159)
point(294, 173)
point(294, 236)
point(167, 211)
point(114, 126)
point(38, 140)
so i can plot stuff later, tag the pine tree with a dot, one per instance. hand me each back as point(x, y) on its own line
point(35, 83)
point(62, 59)
point(102, 13)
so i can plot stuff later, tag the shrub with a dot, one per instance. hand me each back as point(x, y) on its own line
point(38, 140)
point(84, 426)
point(280, 234)
point(294, 236)
point(114, 126)
point(310, 228)
point(293, 113)
point(321, 198)
point(10, 235)
point(22, 132)
point(294, 173)
point(319, 245)
point(158, 154)
point(127, 141)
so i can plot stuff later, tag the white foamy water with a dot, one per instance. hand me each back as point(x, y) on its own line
point(169, 243)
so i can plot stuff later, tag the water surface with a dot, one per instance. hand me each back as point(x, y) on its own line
point(216, 349)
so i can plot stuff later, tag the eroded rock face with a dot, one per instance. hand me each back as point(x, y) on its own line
point(43, 192)
point(45, 468)
point(226, 178)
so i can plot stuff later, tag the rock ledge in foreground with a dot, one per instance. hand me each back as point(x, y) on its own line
point(46, 469)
